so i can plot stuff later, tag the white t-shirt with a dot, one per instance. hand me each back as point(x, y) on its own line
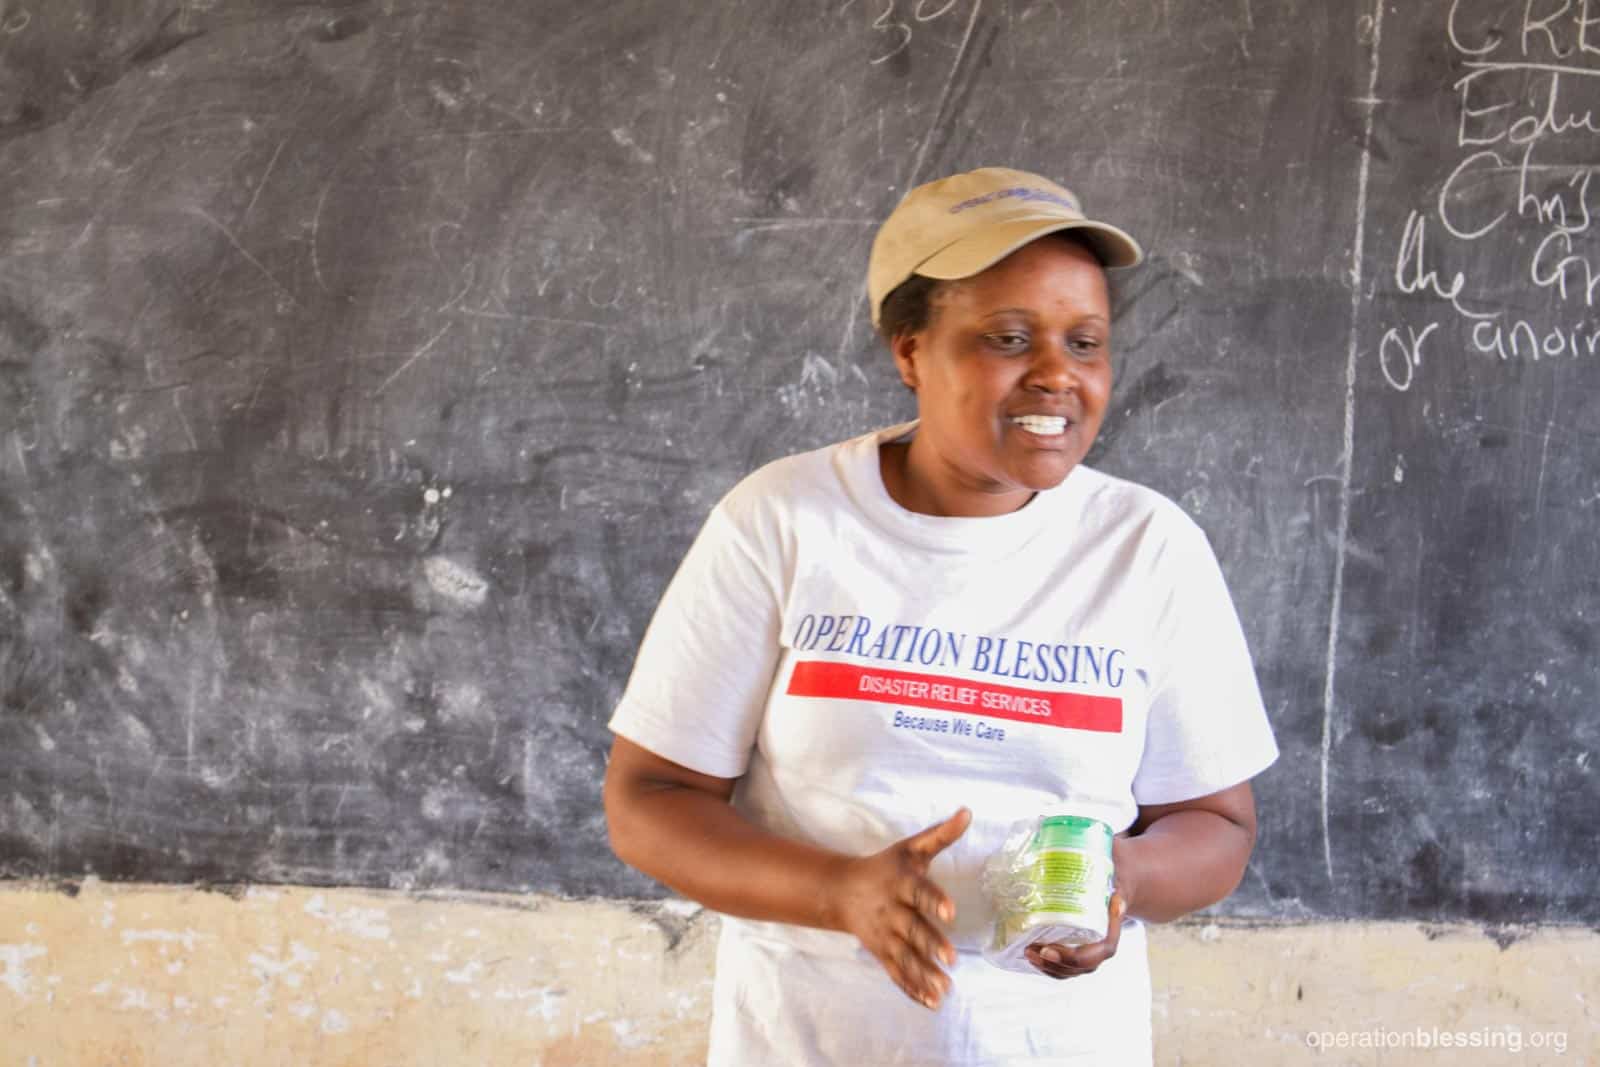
point(865, 671)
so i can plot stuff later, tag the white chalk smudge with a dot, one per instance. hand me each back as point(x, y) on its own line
point(630, 1036)
point(550, 1004)
point(687, 1005)
point(270, 969)
point(137, 999)
point(815, 370)
point(369, 923)
point(334, 1023)
point(455, 581)
point(459, 700)
point(465, 974)
point(684, 909)
point(1184, 264)
point(378, 698)
point(15, 958)
point(34, 567)
point(625, 139)
point(186, 938)
point(433, 803)
point(447, 100)
point(130, 446)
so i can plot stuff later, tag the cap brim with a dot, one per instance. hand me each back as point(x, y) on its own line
point(982, 250)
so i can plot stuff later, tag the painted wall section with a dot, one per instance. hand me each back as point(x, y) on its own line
point(142, 976)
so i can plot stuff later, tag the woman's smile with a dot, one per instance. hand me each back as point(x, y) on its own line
point(1047, 426)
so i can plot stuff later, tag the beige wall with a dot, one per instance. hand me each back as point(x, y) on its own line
point(141, 975)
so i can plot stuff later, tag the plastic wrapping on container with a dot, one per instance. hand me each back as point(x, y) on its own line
point(1050, 881)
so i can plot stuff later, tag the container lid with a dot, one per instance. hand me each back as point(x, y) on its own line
point(1073, 831)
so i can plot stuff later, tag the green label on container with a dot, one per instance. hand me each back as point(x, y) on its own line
point(1069, 881)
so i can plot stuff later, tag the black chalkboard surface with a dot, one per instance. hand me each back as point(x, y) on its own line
point(365, 368)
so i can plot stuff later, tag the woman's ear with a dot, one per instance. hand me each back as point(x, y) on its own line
point(906, 353)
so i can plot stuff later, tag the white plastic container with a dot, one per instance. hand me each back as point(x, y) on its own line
point(1050, 882)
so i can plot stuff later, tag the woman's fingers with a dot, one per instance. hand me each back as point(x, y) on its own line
point(919, 929)
point(1064, 961)
point(915, 945)
point(915, 973)
point(923, 896)
point(1070, 961)
point(895, 910)
point(935, 839)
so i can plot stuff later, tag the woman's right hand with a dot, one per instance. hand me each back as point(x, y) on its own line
point(891, 905)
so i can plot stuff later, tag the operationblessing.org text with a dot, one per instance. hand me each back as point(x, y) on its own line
point(1503, 1038)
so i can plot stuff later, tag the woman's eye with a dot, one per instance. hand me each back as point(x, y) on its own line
point(1008, 340)
point(1084, 346)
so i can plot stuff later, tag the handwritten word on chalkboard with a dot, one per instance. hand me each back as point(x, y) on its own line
point(1518, 186)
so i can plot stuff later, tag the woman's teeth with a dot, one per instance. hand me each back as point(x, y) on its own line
point(1044, 425)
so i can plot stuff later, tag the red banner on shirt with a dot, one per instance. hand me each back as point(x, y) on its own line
point(845, 681)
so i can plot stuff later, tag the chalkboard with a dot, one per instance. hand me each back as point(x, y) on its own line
point(365, 369)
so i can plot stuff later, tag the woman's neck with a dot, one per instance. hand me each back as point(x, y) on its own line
point(913, 481)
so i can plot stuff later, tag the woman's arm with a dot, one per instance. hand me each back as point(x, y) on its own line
point(1186, 856)
point(1177, 858)
point(677, 826)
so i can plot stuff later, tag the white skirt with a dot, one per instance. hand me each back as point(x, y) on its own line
point(779, 1005)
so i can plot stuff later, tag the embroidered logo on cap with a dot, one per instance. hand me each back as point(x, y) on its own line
point(1020, 192)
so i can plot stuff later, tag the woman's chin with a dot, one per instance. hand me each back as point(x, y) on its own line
point(1043, 472)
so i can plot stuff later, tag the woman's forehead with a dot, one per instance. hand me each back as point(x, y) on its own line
point(1043, 272)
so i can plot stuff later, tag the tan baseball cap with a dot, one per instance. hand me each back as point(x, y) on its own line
point(958, 226)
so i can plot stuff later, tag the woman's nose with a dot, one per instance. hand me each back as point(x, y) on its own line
point(1050, 369)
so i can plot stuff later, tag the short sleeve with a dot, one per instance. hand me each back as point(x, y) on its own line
point(1207, 728)
point(701, 679)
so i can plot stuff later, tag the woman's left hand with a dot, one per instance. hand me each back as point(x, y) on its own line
point(1069, 961)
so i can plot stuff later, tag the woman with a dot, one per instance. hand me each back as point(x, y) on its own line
point(952, 615)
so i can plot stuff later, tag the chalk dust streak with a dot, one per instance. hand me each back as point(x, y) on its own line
point(1346, 459)
point(944, 97)
point(253, 261)
point(418, 354)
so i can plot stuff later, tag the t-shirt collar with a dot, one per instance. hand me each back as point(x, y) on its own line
point(989, 536)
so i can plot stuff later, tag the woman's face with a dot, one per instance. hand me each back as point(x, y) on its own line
point(1012, 376)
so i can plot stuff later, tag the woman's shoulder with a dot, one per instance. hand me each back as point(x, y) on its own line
point(1118, 503)
point(780, 494)
point(803, 480)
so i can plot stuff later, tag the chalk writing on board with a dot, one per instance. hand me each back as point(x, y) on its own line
point(895, 23)
point(1522, 170)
